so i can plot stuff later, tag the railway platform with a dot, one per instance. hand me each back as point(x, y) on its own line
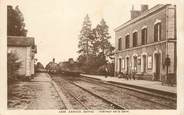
point(37, 94)
point(151, 85)
point(46, 96)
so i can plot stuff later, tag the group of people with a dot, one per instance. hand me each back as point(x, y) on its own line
point(127, 75)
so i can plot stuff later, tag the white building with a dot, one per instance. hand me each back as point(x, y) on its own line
point(25, 49)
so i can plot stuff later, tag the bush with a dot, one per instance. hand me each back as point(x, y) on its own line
point(110, 67)
point(13, 66)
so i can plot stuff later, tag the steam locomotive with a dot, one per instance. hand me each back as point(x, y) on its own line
point(68, 68)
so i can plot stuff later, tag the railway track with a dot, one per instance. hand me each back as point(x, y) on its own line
point(157, 100)
point(83, 106)
point(116, 106)
point(154, 95)
point(111, 104)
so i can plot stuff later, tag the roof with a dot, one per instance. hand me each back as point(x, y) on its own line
point(20, 41)
point(142, 15)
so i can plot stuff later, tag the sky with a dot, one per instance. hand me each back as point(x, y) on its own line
point(56, 24)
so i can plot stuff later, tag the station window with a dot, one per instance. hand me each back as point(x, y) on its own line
point(134, 39)
point(119, 44)
point(144, 36)
point(127, 41)
point(157, 32)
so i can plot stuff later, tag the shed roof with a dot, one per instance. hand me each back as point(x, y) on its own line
point(20, 41)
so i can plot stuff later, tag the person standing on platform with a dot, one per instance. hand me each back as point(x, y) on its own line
point(106, 72)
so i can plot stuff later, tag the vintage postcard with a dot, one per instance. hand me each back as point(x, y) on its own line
point(92, 57)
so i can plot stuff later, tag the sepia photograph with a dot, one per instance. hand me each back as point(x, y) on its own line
point(92, 55)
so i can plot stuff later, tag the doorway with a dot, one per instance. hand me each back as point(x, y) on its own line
point(127, 64)
point(144, 63)
point(157, 66)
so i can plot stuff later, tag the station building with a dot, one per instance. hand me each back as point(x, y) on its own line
point(145, 41)
point(25, 49)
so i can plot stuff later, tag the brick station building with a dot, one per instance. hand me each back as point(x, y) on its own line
point(144, 42)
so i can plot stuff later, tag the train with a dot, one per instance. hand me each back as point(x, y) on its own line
point(71, 67)
point(67, 68)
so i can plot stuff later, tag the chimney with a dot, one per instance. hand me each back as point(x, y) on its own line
point(144, 7)
point(70, 60)
point(53, 60)
point(135, 13)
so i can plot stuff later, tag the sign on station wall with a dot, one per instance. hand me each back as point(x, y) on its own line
point(150, 62)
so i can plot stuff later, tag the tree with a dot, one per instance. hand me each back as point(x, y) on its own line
point(13, 65)
point(103, 36)
point(84, 37)
point(103, 44)
point(94, 42)
point(39, 66)
point(94, 46)
point(15, 22)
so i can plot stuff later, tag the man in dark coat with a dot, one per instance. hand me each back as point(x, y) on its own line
point(106, 72)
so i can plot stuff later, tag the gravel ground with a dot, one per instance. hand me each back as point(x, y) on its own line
point(90, 101)
point(34, 95)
